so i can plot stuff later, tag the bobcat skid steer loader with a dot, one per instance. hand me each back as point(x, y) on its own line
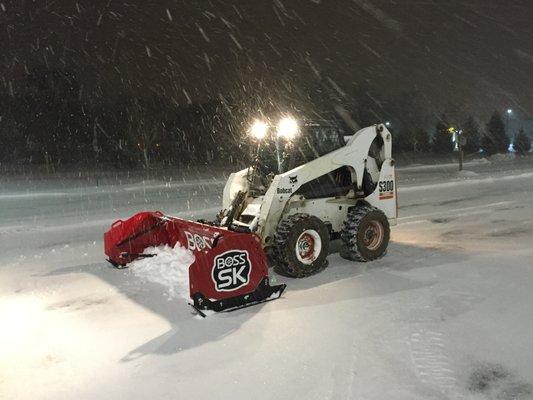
point(309, 184)
point(321, 186)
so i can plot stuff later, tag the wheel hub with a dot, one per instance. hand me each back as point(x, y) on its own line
point(308, 246)
point(373, 235)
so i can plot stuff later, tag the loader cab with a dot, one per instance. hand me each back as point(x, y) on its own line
point(315, 139)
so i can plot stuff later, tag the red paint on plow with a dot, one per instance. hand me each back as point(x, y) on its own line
point(230, 268)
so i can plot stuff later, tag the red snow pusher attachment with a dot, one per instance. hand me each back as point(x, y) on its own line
point(230, 270)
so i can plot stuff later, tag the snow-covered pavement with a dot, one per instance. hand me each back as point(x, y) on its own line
point(446, 314)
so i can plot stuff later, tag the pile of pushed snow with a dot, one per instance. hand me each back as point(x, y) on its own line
point(502, 157)
point(170, 268)
point(481, 160)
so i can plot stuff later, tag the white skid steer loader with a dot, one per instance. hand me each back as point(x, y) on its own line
point(340, 186)
point(308, 184)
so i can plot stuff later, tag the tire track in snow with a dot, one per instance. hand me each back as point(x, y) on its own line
point(455, 212)
point(432, 365)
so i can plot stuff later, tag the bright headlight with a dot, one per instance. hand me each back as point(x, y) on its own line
point(259, 129)
point(288, 128)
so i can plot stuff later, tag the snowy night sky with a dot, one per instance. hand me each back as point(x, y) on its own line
point(477, 53)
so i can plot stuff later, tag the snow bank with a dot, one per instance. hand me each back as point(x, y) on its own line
point(467, 174)
point(469, 182)
point(423, 167)
point(169, 268)
point(502, 157)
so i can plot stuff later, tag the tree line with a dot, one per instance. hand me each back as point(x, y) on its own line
point(48, 120)
point(491, 140)
point(410, 119)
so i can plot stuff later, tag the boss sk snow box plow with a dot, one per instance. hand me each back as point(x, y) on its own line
point(230, 270)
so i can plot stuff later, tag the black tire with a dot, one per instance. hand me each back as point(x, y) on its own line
point(365, 234)
point(300, 230)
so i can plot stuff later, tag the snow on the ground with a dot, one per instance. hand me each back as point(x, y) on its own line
point(474, 162)
point(166, 266)
point(467, 173)
point(446, 314)
point(467, 182)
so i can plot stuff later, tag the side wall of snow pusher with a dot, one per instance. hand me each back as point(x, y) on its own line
point(230, 269)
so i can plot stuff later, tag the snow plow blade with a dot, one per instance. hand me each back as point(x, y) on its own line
point(230, 270)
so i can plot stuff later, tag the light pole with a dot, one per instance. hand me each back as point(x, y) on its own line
point(509, 113)
point(460, 143)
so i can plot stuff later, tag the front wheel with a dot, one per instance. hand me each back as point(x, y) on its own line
point(301, 245)
point(365, 234)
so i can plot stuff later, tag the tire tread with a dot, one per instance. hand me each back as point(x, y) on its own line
point(283, 264)
point(350, 246)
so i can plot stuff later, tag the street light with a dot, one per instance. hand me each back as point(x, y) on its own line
point(387, 124)
point(509, 114)
point(459, 141)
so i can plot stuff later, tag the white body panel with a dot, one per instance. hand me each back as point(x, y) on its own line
point(281, 198)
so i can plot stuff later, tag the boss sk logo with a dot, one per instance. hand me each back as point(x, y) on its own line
point(231, 270)
point(197, 242)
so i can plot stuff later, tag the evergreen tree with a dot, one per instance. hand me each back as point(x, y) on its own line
point(416, 141)
point(522, 142)
point(409, 115)
point(367, 106)
point(495, 140)
point(472, 135)
point(55, 119)
point(403, 142)
point(442, 141)
point(421, 141)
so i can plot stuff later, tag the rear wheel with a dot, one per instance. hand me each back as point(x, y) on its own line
point(301, 245)
point(365, 234)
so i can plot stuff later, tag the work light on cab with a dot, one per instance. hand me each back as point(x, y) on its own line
point(259, 129)
point(288, 128)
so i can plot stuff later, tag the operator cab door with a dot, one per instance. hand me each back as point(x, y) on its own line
point(317, 140)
